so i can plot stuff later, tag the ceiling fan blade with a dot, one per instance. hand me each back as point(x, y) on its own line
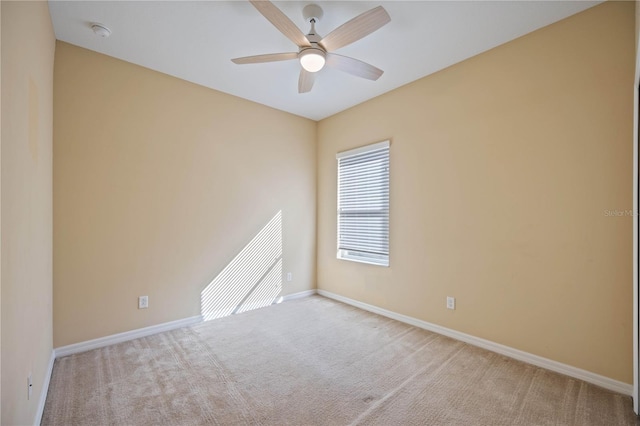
point(353, 66)
point(271, 57)
point(355, 29)
point(305, 82)
point(281, 22)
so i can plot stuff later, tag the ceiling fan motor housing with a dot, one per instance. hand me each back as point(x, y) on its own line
point(312, 58)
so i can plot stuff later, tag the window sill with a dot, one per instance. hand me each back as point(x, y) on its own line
point(383, 263)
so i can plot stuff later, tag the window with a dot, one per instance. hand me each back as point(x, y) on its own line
point(363, 204)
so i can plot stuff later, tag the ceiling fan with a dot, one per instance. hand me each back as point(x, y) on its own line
point(315, 51)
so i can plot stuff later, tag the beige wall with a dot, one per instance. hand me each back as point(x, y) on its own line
point(158, 185)
point(502, 168)
point(0, 225)
point(28, 45)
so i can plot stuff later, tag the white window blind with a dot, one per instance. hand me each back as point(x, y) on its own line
point(363, 204)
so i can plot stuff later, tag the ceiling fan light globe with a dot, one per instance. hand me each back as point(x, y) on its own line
point(312, 60)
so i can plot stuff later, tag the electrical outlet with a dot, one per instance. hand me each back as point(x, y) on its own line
point(451, 302)
point(143, 302)
point(29, 386)
point(289, 276)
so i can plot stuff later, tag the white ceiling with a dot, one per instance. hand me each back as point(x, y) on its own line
point(195, 41)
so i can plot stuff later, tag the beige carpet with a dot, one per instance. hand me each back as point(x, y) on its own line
point(314, 361)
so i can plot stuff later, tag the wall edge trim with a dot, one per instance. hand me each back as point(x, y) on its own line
point(299, 295)
point(45, 389)
point(558, 367)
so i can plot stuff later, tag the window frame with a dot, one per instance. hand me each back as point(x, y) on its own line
point(354, 255)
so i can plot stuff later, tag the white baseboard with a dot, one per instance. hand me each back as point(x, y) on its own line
point(298, 295)
point(123, 337)
point(558, 367)
point(45, 389)
point(147, 331)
